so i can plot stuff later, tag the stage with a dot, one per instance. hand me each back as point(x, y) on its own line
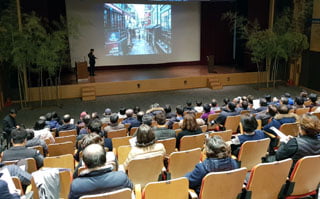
point(136, 80)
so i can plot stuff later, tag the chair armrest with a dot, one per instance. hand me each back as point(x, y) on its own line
point(137, 190)
point(192, 194)
point(270, 135)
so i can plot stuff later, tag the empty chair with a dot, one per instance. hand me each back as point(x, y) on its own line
point(232, 123)
point(117, 133)
point(169, 144)
point(143, 171)
point(267, 179)
point(305, 177)
point(290, 129)
point(67, 133)
point(62, 161)
point(118, 194)
point(212, 188)
point(60, 149)
point(251, 152)
point(122, 153)
point(182, 162)
point(225, 135)
point(171, 189)
point(69, 138)
point(120, 141)
point(192, 141)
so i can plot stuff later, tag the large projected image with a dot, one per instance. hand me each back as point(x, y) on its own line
point(137, 29)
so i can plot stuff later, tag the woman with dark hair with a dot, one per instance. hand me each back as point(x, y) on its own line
point(40, 130)
point(306, 144)
point(250, 132)
point(207, 111)
point(145, 145)
point(218, 159)
point(189, 127)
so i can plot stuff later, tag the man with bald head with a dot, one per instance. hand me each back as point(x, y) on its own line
point(131, 120)
point(67, 125)
point(98, 177)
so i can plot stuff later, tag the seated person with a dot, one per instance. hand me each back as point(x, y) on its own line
point(169, 114)
point(250, 132)
point(35, 141)
point(188, 106)
point(198, 108)
point(130, 119)
point(189, 127)
point(146, 145)
point(161, 131)
point(207, 111)
point(307, 144)
point(114, 124)
point(19, 150)
point(177, 118)
point(266, 116)
point(99, 177)
point(228, 111)
point(106, 116)
point(43, 132)
point(154, 109)
point(53, 124)
point(67, 125)
point(214, 105)
point(4, 191)
point(218, 159)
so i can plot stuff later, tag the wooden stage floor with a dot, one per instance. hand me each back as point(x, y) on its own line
point(119, 75)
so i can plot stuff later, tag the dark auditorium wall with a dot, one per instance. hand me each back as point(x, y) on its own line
point(216, 37)
point(310, 70)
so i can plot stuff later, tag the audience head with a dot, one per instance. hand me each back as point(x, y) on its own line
point(136, 109)
point(189, 123)
point(250, 99)
point(198, 103)
point(49, 116)
point(206, 108)
point(147, 119)
point(94, 156)
point(145, 136)
point(66, 118)
point(226, 101)
point(39, 125)
point(284, 100)
point(160, 118)
point(299, 101)
point(313, 97)
point(249, 123)
point(283, 109)
point(140, 114)
point(83, 114)
point(107, 111)
point(263, 102)
point(287, 95)
point(86, 119)
point(231, 106)
point(272, 110)
point(214, 103)
point(42, 117)
point(217, 148)
point(167, 108)
point(30, 134)
point(304, 94)
point(189, 103)
point(244, 104)
point(18, 136)
point(122, 111)
point(179, 110)
point(95, 126)
point(310, 125)
point(13, 112)
point(129, 112)
point(268, 98)
point(114, 118)
point(55, 115)
point(91, 138)
point(95, 115)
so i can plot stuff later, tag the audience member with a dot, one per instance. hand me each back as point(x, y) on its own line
point(130, 119)
point(268, 98)
point(290, 100)
point(169, 114)
point(155, 109)
point(147, 119)
point(4, 191)
point(99, 177)
point(304, 145)
point(189, 127)
point(122, 113)
point(207, 111)
point(177, 118)
point(139, 116)
point(8, 124)
point(263, 105)
point(36, 141)
point(67, 125)
point(198, 108)
point(146, 146)
point(214, 105)
point(188, 106)
point(114, 124)
point(218, 159)
point(95, 127)
point(229, 111)
point(53, 124)
point(19, 150)
point(298, 103)
point(106, 116)
point(41, 131)
point(161, 131)
point(266, 116)
point(313, 98)
point(86, 121)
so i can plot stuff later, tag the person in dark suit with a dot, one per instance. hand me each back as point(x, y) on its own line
point(9, 123)
point(92, 61)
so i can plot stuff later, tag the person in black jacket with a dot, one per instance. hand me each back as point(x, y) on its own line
point(92, 61)
point(9, 123)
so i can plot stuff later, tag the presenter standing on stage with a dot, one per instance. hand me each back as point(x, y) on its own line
point(92, 61)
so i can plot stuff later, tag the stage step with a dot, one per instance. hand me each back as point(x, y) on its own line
point(88, 93)
point(214, 84)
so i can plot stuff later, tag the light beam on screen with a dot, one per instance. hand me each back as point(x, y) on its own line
point(137, 29)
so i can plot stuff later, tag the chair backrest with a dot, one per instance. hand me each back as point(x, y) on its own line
point(177, 131)
point(232, 122)
point(225, 135)
point(62, 161)
point(38, 148)
point(68, 132)
point(198, 114)
point(182, 162)
point(122, 153)
point(244, 112)
point(118, 194)
point(251, 152)
point(127, 125)
point(117, 133)
point(267, 179)
point(317, 114)
point(61, 149)
point(70, 138)
point(143, 171)
point(290, 129)
point(306, 175)
point(192, 141)
point(32, 165)
point(213, 188)
point(212, 117)
point(17, 184)
point(120, 141)
point(301, 111)
point(133, 130)
point(171, 189)
point(175, 125)
point(169, 144)
point(259, 124)
point(204, 128)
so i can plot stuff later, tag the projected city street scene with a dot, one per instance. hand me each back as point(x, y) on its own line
point(137, 29)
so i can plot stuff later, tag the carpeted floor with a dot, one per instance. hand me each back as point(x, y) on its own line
point(28, 116)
